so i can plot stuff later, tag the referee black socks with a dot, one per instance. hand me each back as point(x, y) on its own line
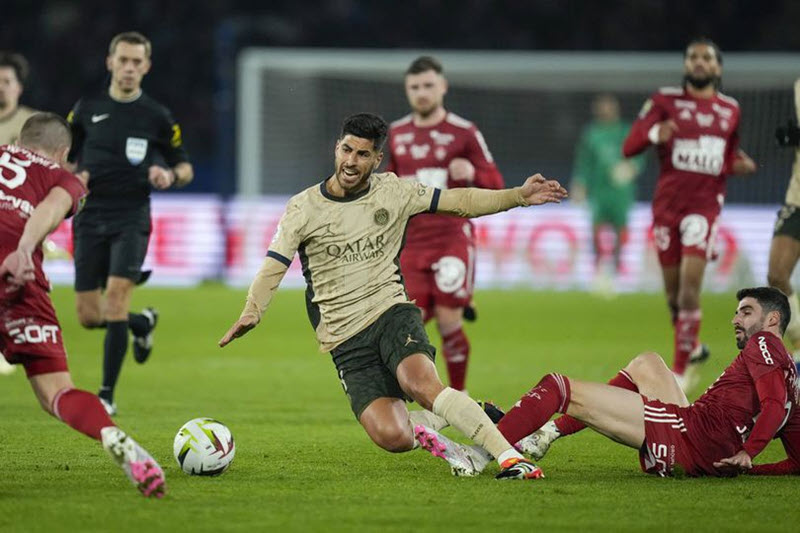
point(115, 346)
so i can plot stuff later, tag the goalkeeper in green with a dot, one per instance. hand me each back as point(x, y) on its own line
point(604, 178)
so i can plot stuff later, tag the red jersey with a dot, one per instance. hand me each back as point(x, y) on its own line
point(695, 162)
point(425, 155)
point(731, 415)
point(25, 180)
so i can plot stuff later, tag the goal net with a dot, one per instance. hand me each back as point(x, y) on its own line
point(530, 107)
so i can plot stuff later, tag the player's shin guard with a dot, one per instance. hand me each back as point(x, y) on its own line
point(464, 414)
point(455, 346)
point(82, 411)
point(549, 396)
point(116, 344)
point(687, 329)
point(567, 425)
point(427, 419)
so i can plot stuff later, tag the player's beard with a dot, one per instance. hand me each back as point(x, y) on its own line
point(747, 333)
point(425, 112)
point(740, 343)
point(700, 82)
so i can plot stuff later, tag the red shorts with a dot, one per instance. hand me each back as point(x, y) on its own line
point(443, 275)
point(29, 331)
point(666, 443)
point(684, 232)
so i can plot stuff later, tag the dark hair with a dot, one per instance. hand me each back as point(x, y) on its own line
point(366, 126)
point(17, 62)
point(130, 37)
point(706, 41)
point(47, 131)
point(424, 64)
point(770, 299)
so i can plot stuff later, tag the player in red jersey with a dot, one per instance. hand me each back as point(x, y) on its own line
point(442, 150)
point(35, 196)
point(695, 131)
point(754, 401)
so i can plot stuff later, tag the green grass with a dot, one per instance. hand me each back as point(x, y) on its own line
point(303, 462)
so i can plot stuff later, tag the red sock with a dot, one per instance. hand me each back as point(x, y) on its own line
point(549, 396)
point(455, 348)
point(687, 328)
point(81, 411)
point(567, 425)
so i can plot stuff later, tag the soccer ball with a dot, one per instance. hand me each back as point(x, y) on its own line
point(204, 447)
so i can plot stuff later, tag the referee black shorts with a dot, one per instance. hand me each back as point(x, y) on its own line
point(109, 243)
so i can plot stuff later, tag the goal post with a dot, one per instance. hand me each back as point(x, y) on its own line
point(530, 107)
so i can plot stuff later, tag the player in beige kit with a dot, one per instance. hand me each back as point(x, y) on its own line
point(348, 232)
point(13, 72)
point(785, 249)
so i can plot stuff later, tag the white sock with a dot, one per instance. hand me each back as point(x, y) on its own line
point(428, 419)
point(465, 415)
point(550, 427)
point(508, 454)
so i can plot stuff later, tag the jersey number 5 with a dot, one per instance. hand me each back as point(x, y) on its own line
point(16, 166)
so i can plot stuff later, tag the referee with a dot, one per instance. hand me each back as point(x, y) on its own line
point(128, 143)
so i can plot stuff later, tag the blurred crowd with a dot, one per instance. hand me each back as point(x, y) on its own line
point(195, 43)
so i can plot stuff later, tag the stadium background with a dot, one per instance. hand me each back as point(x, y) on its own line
point(196, 45)
point(268, 131)
point(302, 463)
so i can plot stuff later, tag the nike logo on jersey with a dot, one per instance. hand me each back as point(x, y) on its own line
point(98, 118)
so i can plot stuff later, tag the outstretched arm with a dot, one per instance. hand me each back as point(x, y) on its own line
point(285, 242)
point(18, 266)
point(259, 296)
point(471, 202)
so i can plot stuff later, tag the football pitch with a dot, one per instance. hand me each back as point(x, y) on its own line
point(304, 464)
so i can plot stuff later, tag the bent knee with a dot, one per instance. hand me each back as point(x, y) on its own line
point(392, 438)
point(646, 364)
point(117, 297)
point(424, 395)
point(89, 318)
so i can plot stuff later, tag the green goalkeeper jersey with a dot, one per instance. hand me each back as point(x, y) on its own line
point(609, 178)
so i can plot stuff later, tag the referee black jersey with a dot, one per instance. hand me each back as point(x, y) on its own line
point(117, 142)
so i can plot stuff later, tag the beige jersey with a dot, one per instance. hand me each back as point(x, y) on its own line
point(10, 126)
point(793, 192)
point(350, 249)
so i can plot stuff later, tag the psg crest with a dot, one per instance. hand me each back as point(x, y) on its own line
point(135, 150)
